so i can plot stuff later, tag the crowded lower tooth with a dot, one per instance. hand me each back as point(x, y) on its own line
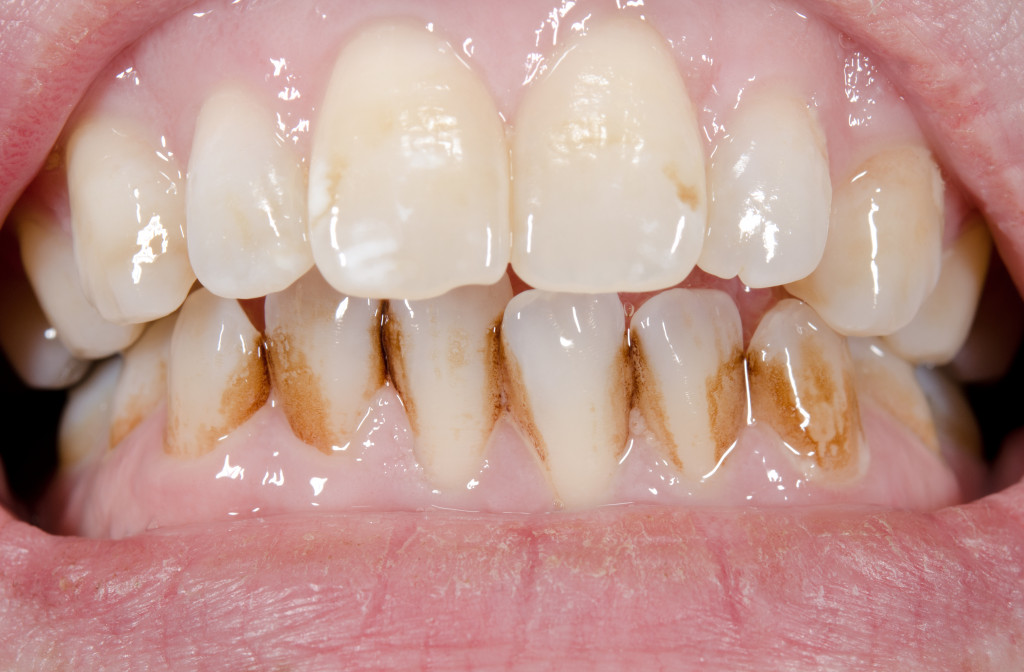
point(955, 423)
point(217, 376)
point(609, 190)
point(568, 383)
point(802, 386)
point(884, 245)
point(84, 430)
point(143, 382)
point(940, 328)
point(408, 185)
point(246, 201)
point(128, 222)
point(49, 260)
point(770, 193)
point(325, 359)
point(443, 357)
point(687, 348)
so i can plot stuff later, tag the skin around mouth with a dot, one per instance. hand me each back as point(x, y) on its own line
point(825, 588)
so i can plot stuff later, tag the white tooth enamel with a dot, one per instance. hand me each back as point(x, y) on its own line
point(84, 431)
point(688, 371)
point(609, 180)
point(408, 180)
point(325, 359)
point(890, 382)
point(217, 377)
point(246, 200)
point(49, 260)
point(954, 420)
point(128, 222)
point(568, 382)
point(802, 386)
point(30, 341)
point(443, 357)
point(884, 245)
point(939, 329)
point(143, 382)
point(770, 194)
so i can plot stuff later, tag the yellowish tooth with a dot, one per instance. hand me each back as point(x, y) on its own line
point(408, 182)
point(687, 347)
point(128, 221)
point(143, 381)
point(325, 357)
point(443, 357)
point(955, 423)
point(609, 180)
point(84, 431)
point(217, 376)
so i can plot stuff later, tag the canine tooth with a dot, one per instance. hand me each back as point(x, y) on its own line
point(443, 357)
point(609, 180)
point(84, 430)
point(568, 384)
point(216, 378)
point(143, 381)
point(954, 418)
point(408, 185)
point(884, 245)
point(940, 328)
point(687, 349)
point(325, 359)
point(49, 260)
point(802, 385)
point(770, 194)
point(246, 200)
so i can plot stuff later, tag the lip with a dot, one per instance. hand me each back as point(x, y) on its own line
point(830, 588)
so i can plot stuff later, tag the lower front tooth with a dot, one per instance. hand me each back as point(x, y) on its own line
point(443, 357)
point(687, 347)
point(568, 383)
point(143, 382)
point(217, 377)
point(84, 431)
point(802, 385)
point(325, 359)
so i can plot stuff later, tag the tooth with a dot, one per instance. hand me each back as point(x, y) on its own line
point(246, 201)
point(954, 419)
point(143, 382)
point(609, 180)
point(84, 431)
point(128, 222)
point(443, 357)
point(687, 348)
point(770, 194)
point(325, 359)
point(408, 184)
point(939, 329)
point(216, 378)
point(890, 382)
point(568, 384)
point(802, 385)
point(46, 252)
point(884, 245)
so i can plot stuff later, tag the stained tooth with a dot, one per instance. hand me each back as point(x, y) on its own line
point(246, 200)
point(443, 358)
point(939, 329)
point(325, 359)
point(143, 382)
point(891, 383)
point(408, 183)
point(802, 385)
point(884, 245)
point(568, 383)
point(770, 194)
point(128, 222)
point(217, 377)
point(687, 348)
point(84, 430)
point(609, 188)
point(46, 252)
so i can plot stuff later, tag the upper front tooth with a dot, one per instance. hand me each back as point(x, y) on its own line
point(443, 357)
point(568, 385)
point(687, 347)
point(884, 245)
point(609, 182)
point(408, 185)
point(246, 200)
point(128, 222)
point(770, 194)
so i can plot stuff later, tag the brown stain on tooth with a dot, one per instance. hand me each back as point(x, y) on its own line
point(133, 413)
point(621, 394)
point(495, 387)
point(246, 392)
point(519, 404)
point(726, 399)
point(685, 193)
point(648, 398)
point(301, 392)
point(391, 339)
